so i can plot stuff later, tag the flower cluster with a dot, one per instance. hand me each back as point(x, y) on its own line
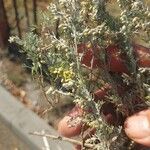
point(77, 41)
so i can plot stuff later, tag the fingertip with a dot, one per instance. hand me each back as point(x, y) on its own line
point(137, 127)
point(77, 147)
point(68, 128)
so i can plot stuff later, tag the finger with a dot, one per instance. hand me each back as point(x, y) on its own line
point(88, 134)
point(143, 55)
point(101, 93)
point(71, 124)
point(137, 127)
point(115, 60)
point(89, 56)
point(77, 147)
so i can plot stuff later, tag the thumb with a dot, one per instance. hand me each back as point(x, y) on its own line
point(137, 127)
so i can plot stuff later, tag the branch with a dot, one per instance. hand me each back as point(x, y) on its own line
point(47, 147)
point(62, 139)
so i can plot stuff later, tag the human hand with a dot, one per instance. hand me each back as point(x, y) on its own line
point(137, 126)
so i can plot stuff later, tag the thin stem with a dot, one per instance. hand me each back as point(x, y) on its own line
point(44, 93)
point(62, 139)
point(45, 111)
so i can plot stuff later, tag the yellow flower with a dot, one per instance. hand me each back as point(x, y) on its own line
point(68, 75)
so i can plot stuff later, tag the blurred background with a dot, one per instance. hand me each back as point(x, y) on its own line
point(17, 17)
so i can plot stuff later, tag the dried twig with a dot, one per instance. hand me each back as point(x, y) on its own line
point(73, 141)
point(45, 111)
point(40, 82)
point(45, 140)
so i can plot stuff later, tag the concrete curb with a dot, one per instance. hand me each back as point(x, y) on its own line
point(21, 121)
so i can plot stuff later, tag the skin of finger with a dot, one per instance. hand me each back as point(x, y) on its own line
point(144, 141)
point(66, 129)
point(77, 147)
point(137, 127)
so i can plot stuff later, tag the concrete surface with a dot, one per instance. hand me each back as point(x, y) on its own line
point(8, 141)
point(18, 121)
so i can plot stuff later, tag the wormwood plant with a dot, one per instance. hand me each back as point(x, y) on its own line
point(56, 57)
